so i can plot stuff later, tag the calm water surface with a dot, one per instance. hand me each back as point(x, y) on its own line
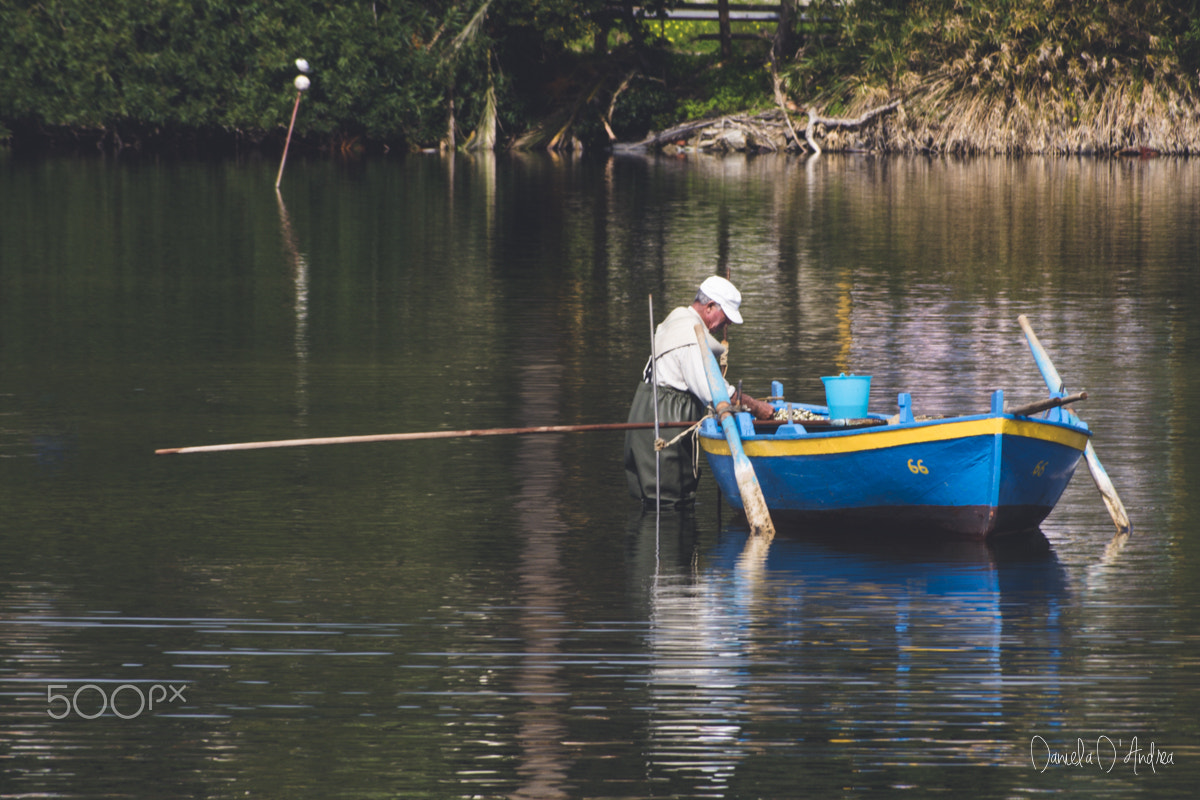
point(494, 617)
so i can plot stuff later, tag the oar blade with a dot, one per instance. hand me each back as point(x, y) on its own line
point(753, 502)
point(1116, 509)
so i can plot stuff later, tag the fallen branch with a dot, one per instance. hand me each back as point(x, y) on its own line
point(814, 119)
point(759, 126)
point(668, 136)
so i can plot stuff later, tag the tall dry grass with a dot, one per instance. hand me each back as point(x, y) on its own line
point(1022, 76)
point(1110, 119)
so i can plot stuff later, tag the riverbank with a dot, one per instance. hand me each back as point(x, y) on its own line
point(956, 77)
point(1121, 120)
point(1118, 121)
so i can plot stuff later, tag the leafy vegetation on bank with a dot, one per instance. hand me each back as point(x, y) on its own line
point(1005, 75)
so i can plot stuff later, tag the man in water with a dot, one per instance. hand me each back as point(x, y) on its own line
point(683, 394)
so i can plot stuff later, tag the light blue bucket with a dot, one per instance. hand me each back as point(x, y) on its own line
point(847, 396)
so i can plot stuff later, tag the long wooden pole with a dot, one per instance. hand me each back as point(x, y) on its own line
point(418, 436)
point(753, 502)
point(1116, 509)
point(288, 141)
point(584, 428)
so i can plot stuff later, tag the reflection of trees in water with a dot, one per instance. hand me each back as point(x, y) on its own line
point(544, 759)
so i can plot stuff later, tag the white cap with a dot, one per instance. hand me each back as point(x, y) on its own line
point(302, 82)
point(724, 294)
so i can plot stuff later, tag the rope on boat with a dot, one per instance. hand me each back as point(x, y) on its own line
point(694, 432)
point(660, 444)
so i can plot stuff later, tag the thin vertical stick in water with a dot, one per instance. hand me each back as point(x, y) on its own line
point(654, 389)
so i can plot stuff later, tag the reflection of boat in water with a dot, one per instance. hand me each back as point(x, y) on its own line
point(983, 609)
point(971, 475)
point(873, 650)
point(939, 631)
point(1014, 565)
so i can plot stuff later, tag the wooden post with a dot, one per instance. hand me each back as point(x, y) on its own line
point(723, 24)
point(782, 42)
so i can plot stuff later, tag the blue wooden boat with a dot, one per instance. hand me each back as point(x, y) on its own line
point(973, 475)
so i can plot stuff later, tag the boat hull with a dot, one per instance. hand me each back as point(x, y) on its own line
point(973, 476)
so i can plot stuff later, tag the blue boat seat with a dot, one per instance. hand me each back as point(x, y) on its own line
point(790, 431)
point(745, 424)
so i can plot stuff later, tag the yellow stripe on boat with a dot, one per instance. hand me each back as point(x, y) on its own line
point(861, 439)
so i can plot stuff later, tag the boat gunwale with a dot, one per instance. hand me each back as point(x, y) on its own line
point(899, 434)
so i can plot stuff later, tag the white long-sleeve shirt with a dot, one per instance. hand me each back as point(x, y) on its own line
point(679, 362)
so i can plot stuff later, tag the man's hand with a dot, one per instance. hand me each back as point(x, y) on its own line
point(759, 408)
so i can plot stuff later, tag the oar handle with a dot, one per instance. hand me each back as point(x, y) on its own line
point(1053, 382)
point(1045, 405)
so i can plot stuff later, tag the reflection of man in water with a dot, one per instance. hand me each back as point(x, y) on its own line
point(683, 394)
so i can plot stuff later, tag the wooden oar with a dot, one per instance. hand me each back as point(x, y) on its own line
point(753, 502)
point(411, 437)
point(1116, 509)
point(1029, 409)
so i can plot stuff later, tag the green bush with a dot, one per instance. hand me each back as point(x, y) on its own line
point(139, 69)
